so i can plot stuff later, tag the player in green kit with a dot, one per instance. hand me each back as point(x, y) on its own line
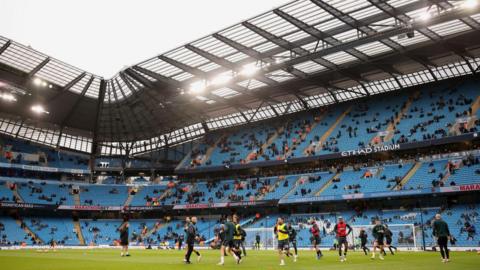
point(228, 229)
point(378, 233)
point(442, 233)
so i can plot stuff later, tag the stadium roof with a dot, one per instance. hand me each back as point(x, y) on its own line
point(302, 55)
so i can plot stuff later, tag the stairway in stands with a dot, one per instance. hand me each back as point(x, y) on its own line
point(76, 198)
point(78, 230)
point(294, 186)
point(17, 196)
point(408, 176)
point(271, 188)
point(325, 136)
point(28, 231)
point(130, 197)
point(327, 184)
point(391, 127)
point(305, 134)
point(270, 140)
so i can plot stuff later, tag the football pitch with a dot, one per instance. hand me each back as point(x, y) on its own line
point(100, 259)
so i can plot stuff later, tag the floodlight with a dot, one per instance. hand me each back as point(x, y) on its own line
point(38, 109)
point(37, 81)
point(470, 3)
point(198, 87)
point(249, 69)
point(8, 97)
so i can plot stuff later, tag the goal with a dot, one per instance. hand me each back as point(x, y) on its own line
point(268, 239)
point(404, 235)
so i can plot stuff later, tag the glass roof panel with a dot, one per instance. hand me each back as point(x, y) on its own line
point(280, 75)
point(58, 72)
point(373, 48)
point(225, 92)
point(450, 27)
point(21, 57)
point(340, 58)
point(310, 67)
point(274, 24)
point(347, 6)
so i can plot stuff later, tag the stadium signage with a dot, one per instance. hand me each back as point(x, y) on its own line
point(199, 206)
point(462, 188)
point(220, 205)
point(370, 150)
point(22, 205)
point(90, 207)
point(42, 168)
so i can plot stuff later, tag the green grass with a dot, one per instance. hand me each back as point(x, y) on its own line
point(100, 259)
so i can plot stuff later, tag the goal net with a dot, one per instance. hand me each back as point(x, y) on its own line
point(404, 235)
point(267, 237)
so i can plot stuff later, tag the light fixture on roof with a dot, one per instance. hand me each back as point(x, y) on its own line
point(39, 109)
point(470, 3)
point(50, 86)
point(37, 81)
point(221, 79)
point(8, 97)
point(198, 87)
point(249, 69)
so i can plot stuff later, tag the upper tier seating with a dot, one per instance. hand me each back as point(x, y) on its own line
point(424, 114)
point(45, 193)
point(24, 152)
point(103, 195)
point(6, 195)
point(434, 112)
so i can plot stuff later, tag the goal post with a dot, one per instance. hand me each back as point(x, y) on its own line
point(268, 240)
point(405, 236)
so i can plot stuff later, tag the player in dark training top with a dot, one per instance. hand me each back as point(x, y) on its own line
point(228, 229)
point(123, 230)
point(378, 233)
point(363, 241)
point(315, 231)
point(442, 233)
point(389, 240)
point(342, 230)
point(192, 235)
point(292, 237)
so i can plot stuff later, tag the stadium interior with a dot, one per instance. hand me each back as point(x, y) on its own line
point(315, 109)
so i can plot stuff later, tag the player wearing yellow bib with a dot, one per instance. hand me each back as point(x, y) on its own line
point(238, 238)
point(281, 232)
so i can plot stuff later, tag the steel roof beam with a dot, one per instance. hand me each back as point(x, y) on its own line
point(229, 65)
point(300, 51)
point(74, 81)
point(172, 82)
point(77, 102)
point(253, 54)
point(38, 67)
point(132, 89)
point(337, 30)
point(202, 74)
point(5, 46)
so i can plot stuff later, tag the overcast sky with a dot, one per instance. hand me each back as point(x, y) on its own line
point(103, 36)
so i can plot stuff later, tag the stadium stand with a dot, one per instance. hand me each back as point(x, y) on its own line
point(422, 115)
point(363, 109)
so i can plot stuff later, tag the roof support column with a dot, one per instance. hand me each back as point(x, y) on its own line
point(95, 143)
